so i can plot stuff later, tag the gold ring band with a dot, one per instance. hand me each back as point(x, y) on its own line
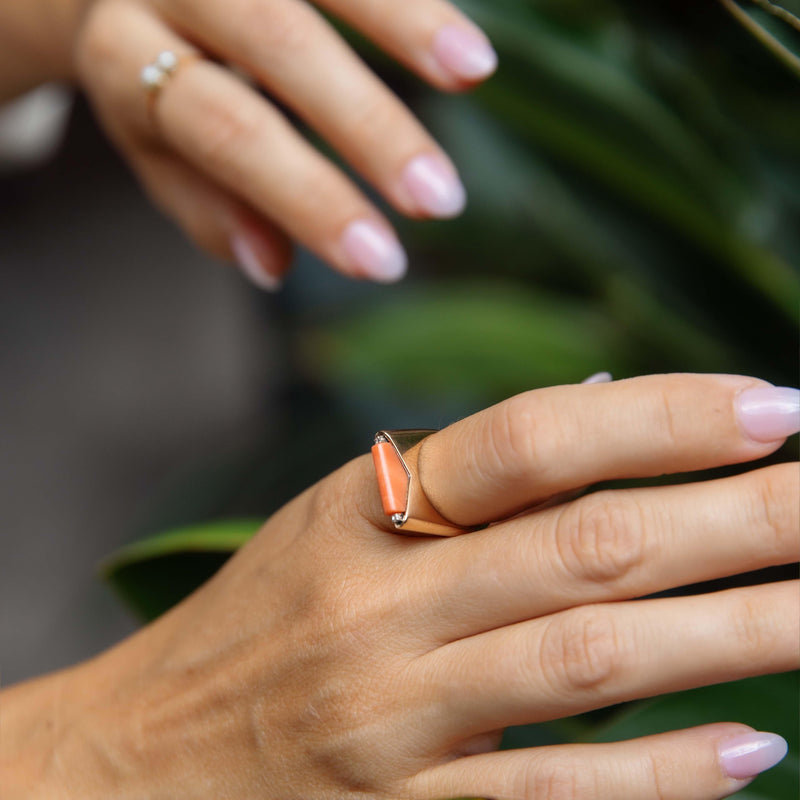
point(396, 455)
point(155, 76)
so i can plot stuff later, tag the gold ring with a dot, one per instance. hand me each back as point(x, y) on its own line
point(154, 77)
point(396, 454)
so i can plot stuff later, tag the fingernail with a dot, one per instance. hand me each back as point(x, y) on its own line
point(375, 251)
point(253, 263)
point(600, 377)
point(464, 53)
point(769, 414)
point(435, 186)
point(751, 754)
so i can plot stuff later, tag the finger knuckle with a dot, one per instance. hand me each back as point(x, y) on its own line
point(555, 779)
point(227, 129)
point(668, 419)
point(271, 31)
point(373, 116)
point(323, 199)
point(289, 31)
point(752, 629)
point(775, 507)
point(349, 597)
point(582, 651)
point(602, 537)
point(659, 773)
point(511, 440)
point(330, 503)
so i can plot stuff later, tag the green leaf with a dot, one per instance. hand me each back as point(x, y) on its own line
point(654, 189)
point(602, 119)
point(482, 340)
point(155, 574)
point(607, 258)
point(605, 92)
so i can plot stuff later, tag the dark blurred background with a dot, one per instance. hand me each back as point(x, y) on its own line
point(634, 178)
point(124, 356)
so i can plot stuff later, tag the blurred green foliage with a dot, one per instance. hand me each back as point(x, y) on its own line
point(634, 179)
point(635, 161)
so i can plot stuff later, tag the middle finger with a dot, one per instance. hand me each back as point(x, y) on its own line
point(291, 49)
point(611, 545)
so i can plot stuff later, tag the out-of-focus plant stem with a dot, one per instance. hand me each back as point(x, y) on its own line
point(780, 12)
point(781, 52)
point(653, 189)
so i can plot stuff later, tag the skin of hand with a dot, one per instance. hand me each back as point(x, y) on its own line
point(37, 39)
point(332, 658)
point(220, 157)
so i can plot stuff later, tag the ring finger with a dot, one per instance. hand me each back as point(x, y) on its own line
point(595, 656)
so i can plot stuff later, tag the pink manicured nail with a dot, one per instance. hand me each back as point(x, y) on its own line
point(253, 263)
point(749, 755)
point(464, 53)
point(600, 377)
point(375, 251)
point(435, 186)
point(769, 414)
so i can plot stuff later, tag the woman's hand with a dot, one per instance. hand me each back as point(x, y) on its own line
point(224, 161)
point(332, 658)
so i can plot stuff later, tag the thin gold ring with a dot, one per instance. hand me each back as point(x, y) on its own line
point(155, 76)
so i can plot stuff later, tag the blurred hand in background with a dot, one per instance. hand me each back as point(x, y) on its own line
point(222, 159)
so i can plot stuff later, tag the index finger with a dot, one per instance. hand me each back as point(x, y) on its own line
point(537, 445)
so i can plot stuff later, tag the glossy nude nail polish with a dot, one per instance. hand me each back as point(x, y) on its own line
point(769, 413)
point(253, 264)
point(465, 54)
point(374, 251)
point(434, 186)
point(600, 377)
point(751, 754)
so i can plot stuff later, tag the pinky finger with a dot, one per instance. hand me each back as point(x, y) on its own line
point(214, 220)
point(706, 763)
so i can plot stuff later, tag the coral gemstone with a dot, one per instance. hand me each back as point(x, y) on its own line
point(392, 478)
